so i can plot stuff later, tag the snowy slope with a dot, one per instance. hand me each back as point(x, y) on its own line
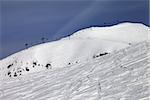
point(82, 46)
point(121, 75)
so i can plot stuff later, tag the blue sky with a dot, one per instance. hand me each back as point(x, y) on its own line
point(28, 21)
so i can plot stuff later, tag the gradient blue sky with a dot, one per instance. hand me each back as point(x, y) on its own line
point(27, 21)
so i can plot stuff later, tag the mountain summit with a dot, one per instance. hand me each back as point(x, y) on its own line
point(83, 45)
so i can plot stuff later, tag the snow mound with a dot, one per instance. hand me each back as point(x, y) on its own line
point(82, 46)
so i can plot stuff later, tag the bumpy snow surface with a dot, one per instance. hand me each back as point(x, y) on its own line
point(122, 75)
point(98, 63)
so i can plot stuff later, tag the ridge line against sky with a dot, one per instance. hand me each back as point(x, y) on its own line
point(29, 21)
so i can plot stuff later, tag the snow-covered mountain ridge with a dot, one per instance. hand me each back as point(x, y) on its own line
point(82, 46)
point(130, 33)
point(121, 75)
